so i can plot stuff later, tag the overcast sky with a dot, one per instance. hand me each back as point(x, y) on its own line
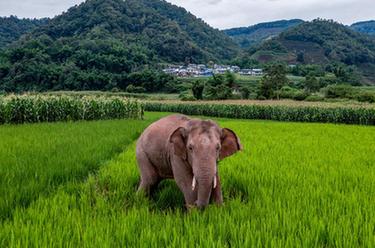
point(224, 13)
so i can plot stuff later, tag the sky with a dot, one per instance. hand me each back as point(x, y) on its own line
point(224, 13)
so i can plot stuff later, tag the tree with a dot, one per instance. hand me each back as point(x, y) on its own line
point(301, 57)
point(273, 80)
point(230, 79)
point(311, 83)
point(245, 92)
point(198, 87)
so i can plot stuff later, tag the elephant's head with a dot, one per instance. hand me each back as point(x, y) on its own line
point(202, 144)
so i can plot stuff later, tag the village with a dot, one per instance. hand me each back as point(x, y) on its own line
point(201, 70)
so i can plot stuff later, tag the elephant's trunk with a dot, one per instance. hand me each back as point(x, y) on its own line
point(206, 181)
point(204, 192)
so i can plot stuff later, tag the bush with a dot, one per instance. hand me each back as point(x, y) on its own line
point(287, 92)
point(366, 97)
point(30, 109)
point(347, 115)
point(253, 96)
point(300, 95)
point(314, 98)
point(186, 96)
point(339, 91)
point(261, 98)
point(135, 89)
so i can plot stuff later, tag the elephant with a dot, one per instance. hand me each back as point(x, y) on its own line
point(186, 150)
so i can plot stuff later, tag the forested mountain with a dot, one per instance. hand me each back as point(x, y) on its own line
point(248, 36)
point(12, 28)
point(367, 27)
point(99, 43)
point(319, 42)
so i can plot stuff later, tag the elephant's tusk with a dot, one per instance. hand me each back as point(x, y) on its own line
point(194, 183)
point(215, 182)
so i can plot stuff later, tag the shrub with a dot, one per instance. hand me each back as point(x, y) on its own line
point(339, 91)
point(245, 92)
point(261, 98)
point(314, 98)
point(135, 89)
point(366, 97)
point(287, 92)
point(186, 96)
point(300, 95)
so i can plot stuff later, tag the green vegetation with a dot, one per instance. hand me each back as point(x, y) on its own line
point(253, 35)
point(272, 82)
point(367, 27)
point(35, 159)
point(12, 28)
point(104, 45)
point(314, 190)
point(346, 115)
point(30, 109)
point(319, 42)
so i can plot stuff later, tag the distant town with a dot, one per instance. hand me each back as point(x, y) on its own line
point(201, 70)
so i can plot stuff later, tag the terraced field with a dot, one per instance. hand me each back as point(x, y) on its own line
point(294, 185)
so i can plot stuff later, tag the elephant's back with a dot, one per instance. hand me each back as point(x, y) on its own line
point(154, 140)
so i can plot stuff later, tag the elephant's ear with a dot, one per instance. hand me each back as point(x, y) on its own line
point(178, 138)
point(230, 143)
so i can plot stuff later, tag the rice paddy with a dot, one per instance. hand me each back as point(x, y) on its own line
point(294, 185)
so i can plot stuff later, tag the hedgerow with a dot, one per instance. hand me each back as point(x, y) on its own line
point(345, 115)
point(30, 109)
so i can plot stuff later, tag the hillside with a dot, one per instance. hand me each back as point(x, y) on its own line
point(96, 44)
point(12, 28)
point(168, 31)
point(248, 36)
point(367, 27)
point(319, 42)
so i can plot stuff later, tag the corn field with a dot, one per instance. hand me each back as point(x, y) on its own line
point(345, 115)
point(19, 109)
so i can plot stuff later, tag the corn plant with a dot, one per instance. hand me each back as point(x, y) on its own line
point(346, 115)
point(36, 108)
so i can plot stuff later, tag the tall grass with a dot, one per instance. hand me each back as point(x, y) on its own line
point(37, 158)
point(294, 185)
point(37, 108)
point(346, 115)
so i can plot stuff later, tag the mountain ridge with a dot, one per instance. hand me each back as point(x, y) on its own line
point(255, 34)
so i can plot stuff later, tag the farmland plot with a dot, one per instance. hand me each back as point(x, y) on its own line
point(37, 158)
point(294, 185)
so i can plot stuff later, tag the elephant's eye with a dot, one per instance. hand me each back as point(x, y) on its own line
point(190, 147)
point(217, 147)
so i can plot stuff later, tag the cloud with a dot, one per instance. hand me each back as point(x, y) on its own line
point(234, 13)
point(223, 13)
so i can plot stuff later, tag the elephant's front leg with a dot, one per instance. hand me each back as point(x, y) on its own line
point(217, 195)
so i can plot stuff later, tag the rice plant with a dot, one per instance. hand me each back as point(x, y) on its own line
point(36, 158)
point(293, 185)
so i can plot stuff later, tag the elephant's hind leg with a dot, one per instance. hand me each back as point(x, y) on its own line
point(149, 175)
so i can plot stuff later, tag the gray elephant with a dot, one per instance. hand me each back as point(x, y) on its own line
point(187, 150)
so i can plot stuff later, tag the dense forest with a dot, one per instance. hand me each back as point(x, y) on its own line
point(367, 27)
point(122, 45)
point(318, 42)
point(102, 44)
point(253, 35)
point(12, 28)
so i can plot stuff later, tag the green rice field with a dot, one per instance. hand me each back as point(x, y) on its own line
point(293, 185)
